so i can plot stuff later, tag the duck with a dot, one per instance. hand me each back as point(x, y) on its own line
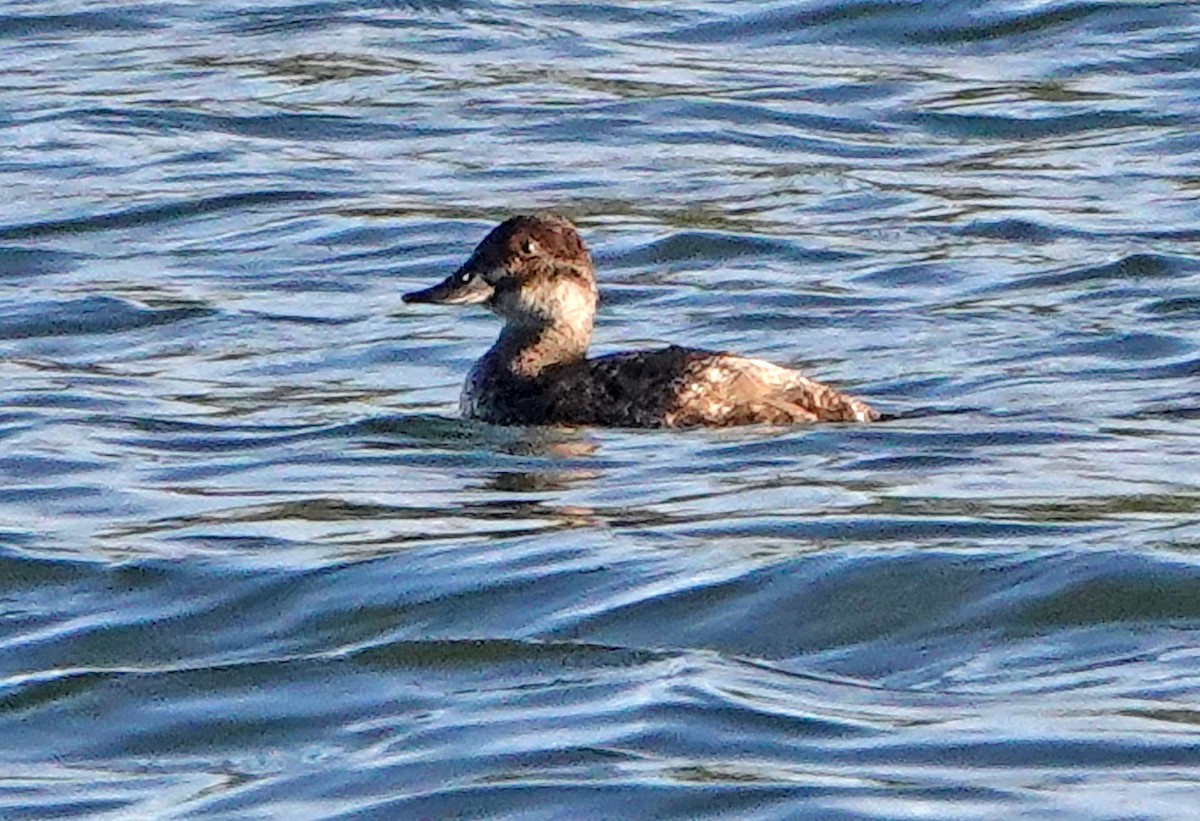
point(535, 272)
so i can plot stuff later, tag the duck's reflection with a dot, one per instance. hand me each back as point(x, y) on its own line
point(551, 444)
point(571, 446)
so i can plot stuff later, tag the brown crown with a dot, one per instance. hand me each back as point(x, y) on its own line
point(554, 240)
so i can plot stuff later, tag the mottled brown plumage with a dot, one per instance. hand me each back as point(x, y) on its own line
point(536, 273)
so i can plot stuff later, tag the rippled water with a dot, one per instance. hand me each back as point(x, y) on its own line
point(253, 566)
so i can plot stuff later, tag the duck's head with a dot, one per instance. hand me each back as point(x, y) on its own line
point(534, 271)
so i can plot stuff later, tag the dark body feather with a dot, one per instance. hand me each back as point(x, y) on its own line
point(629, 389)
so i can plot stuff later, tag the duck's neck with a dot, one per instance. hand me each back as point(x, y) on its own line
point(527, 350)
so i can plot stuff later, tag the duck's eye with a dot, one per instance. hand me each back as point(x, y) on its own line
point(466, 276)
point(529, 246)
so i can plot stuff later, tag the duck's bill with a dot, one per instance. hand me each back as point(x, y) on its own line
point(460, 288)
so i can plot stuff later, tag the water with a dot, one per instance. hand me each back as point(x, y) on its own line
point(253, 566)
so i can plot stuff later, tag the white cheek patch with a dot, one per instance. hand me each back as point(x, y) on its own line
point(559, 300)
point(564, 298)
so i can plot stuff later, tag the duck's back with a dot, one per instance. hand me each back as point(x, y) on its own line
point(666, 387)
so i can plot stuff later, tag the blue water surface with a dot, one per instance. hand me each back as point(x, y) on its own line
point(253, 565)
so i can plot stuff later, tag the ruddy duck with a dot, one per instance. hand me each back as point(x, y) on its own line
point(536, 274)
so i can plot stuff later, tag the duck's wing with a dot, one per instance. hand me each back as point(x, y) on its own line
point(687, 387)
point(724, 389)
